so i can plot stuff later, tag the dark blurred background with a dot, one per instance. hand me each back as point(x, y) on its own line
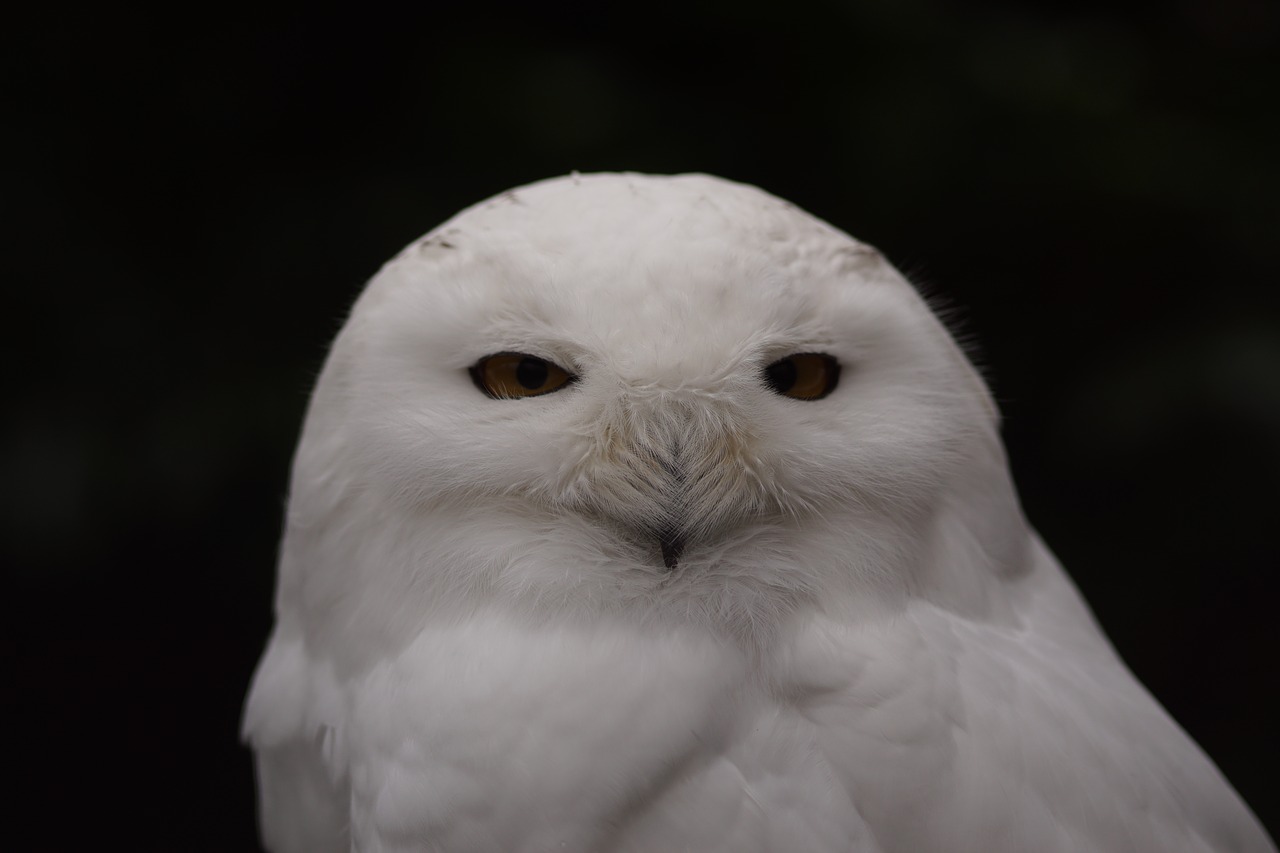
point(196, 197)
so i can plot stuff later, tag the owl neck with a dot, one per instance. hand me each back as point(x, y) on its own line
point(365, 573)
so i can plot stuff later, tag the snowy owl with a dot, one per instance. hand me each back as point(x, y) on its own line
point(653, 514)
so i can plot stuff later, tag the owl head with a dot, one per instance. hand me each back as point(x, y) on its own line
point(663, 395)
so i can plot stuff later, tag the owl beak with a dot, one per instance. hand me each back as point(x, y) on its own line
point(672, 546)
point(670, 536)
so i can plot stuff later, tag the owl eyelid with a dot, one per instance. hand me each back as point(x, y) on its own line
point(496, 388)
point(806, 376)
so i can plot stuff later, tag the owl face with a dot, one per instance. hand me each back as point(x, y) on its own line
point(679, 365)
point(674, 397)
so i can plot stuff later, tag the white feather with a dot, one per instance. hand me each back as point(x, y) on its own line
point(862, 647)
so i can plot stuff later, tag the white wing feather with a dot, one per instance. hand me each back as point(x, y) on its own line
point(924, 731)
point(891, 661)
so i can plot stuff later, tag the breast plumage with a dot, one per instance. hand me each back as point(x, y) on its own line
point(654, 514)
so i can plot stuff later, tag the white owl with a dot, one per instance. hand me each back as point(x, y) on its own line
point(653, 514)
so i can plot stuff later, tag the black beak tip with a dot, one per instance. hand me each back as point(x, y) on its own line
point(672, 546)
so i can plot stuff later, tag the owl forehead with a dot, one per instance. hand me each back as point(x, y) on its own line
point(647, 258)
point(650, 273)
point(673, 308)
point(654, 275)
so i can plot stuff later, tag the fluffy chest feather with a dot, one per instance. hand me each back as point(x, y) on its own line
point(491, 736)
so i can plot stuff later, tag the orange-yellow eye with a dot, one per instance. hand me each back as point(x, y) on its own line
point(512, 374)
point(804, 376)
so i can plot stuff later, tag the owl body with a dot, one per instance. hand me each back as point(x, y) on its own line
point(683, 600)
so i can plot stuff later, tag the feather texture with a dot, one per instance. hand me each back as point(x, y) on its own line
point(486, 640)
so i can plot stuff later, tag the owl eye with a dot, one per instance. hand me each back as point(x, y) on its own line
point(507, 375)
point(803, 376)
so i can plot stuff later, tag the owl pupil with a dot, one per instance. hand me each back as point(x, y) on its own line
point(531, 373)
point(781, 375)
